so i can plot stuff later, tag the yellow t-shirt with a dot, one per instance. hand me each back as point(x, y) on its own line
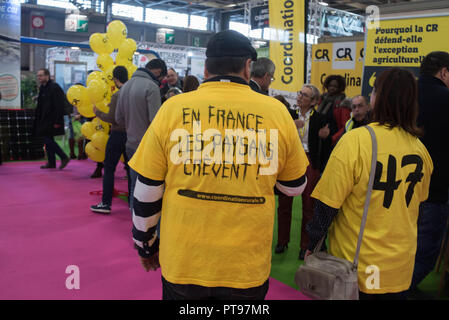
point(217, 218)
point(388, 248)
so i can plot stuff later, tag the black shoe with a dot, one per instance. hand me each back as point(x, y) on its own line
point(72, 156)
point(101, 208)
point(302, 254)
point(97, 173)
point(48, 166)
point(64, 163)
point(280, 248)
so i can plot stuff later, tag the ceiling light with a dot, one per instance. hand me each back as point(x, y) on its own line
point(323, 4)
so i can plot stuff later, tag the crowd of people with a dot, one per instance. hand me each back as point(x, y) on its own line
point(209, 224)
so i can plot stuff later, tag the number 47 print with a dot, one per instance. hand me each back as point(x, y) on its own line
point(390, 185)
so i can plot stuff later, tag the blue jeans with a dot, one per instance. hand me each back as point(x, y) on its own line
point(431, 226)
point(68, 123)
point(114, 149)
point(53, 148)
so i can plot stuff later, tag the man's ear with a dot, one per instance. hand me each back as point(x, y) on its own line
point(247, 70)
point(206, 73)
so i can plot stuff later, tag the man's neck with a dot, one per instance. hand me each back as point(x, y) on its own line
point(257, 82)
point(439, 77)
point(238, 75)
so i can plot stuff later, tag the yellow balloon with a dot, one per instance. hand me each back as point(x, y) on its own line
point(88, 130)
point(123, 59)
point(103, 106)
point(94, 75)
point(104, 78)
point(100, 43)
point(97, 90)
point(93, 153)
point(108, 97)
point(104, 62)
point(117, 32)
point(127, 47)
point(100, 125)
point(99, 140)
point(131, 69)
point(86, 111)
point(77, 96)
point(109, 76)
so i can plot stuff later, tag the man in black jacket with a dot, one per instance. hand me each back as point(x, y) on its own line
point(173, 81)
point(262, 72)
point(49, 118)
point(433, 99)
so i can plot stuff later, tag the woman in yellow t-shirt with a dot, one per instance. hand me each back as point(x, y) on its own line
point(401, 183)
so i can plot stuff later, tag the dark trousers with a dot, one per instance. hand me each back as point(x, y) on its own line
point(285, 210)
point(53, 148)
point(114, 149)
point(313, 175)
point(386, 296)
point(432, 223)
point(132, 177)
point(172, 291)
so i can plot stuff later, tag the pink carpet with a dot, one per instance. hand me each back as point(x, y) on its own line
point(46, 226)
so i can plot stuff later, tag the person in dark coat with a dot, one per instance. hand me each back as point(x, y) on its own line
point(172, 82)
point(262, 74)
point(330, 105)
point(433, 100)
point(49, 118)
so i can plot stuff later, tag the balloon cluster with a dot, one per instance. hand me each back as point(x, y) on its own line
point(100, 85)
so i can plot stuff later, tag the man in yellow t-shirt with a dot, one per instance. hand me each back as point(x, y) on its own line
point(207, 166)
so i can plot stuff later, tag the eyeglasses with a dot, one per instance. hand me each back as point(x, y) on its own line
point(359, 105)
point(303, 94)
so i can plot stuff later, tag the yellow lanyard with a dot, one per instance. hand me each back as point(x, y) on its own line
point(302, 131)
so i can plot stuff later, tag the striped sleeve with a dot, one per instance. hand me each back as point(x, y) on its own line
point(147, 206)
point(292, 188)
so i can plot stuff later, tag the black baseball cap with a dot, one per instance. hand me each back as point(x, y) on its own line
point(230, 43)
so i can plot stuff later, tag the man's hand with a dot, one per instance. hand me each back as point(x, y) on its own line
point(324, 132)
point(299, 123)
point(151, 263)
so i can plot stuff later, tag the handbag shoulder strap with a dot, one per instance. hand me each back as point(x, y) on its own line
point(368, 193)
point(367, 200)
